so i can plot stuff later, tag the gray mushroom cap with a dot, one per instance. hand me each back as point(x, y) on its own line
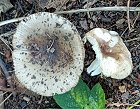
point(48, 54)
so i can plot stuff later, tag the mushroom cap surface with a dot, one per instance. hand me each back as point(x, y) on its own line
point(114, 59)
point(48, 54)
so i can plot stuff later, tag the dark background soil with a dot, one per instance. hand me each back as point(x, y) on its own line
point(84, 22)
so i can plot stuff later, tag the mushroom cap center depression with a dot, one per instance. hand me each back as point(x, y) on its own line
point(54, 51)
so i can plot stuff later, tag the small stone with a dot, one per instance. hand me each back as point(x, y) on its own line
point(26, 98)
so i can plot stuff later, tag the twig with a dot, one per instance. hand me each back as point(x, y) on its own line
point(20, 7)
point(128, 17)
point(3, 93)
point(135, 104)
point(135, 19)
point(6, 89)
point(39, 102)
point(6, 99)
point(123, 104)
point(138, 38)
point(11, 89)
point(115, 8)
point(11, 21)
point(132, 24)
point(1, 53)
point(8, 33)
point(6, 43)
point(124, 31)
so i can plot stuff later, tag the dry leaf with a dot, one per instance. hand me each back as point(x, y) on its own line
point(125, 96)
point(30, 1)
point(122, 89)
point(57, 4)
point(84, 24)
point(8, 56)
point(120, 21)
point(89, 3)
point(5, 5)
point(135, 92)
point(138, 80)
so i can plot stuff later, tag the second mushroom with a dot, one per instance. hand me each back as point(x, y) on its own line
point(112, 56)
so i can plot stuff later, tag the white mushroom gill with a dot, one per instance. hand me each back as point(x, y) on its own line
point(112, 56)
point(48, 54)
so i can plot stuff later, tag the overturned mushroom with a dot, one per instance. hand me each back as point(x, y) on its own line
point(48, 54)
point(112, 56)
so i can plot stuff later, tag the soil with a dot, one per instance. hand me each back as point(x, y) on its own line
point(118, 92)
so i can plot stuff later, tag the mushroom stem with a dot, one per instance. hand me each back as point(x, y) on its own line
point(94, 68)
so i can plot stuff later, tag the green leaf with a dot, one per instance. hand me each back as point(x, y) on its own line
point(97, 97)
point(74, 99)
point(80, 97)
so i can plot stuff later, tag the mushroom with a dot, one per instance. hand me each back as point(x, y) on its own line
point(112, 56)
point(48, 54)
